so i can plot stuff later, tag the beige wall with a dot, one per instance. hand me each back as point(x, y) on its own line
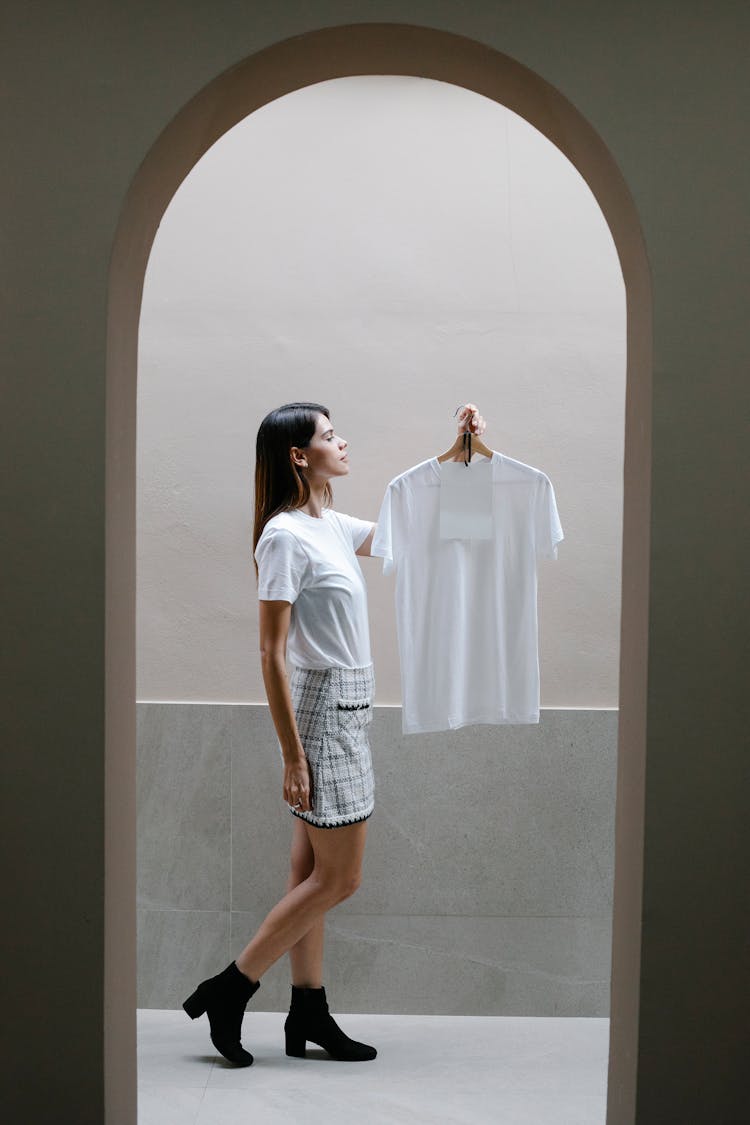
point(90, 90)
point(391, 247)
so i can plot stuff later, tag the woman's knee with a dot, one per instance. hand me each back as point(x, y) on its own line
point(338, 859)
point(356, 882)
point(348, 884)
point(335, 886)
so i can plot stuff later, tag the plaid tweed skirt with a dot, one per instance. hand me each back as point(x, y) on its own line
point(333, 710)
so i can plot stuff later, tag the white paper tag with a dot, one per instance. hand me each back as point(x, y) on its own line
point(466, 499)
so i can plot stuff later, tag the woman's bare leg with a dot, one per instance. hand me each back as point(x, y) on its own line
point(335, 876)
point(306, 955)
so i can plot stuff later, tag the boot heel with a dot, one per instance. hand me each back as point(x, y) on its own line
point(195, 1005)
point(295, 1045)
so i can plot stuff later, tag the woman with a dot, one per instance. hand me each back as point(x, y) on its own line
point(313, 597)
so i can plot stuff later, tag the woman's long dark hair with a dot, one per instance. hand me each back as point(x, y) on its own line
point(279, 485)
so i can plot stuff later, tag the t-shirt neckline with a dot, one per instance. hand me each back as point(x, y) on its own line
point(318, 519)
point(438, 465)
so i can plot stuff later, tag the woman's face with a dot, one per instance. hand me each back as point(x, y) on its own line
point(325, 453)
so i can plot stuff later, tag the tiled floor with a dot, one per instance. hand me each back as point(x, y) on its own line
point(441, 1070)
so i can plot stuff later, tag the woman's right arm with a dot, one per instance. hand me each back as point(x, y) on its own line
point(273, 620)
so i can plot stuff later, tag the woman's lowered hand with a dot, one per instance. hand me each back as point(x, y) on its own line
point(297, 784)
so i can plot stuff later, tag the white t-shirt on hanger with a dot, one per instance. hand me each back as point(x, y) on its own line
point(310, 562)
point(466, 609)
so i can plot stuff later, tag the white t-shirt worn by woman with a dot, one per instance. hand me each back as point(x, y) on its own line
point(310, 562)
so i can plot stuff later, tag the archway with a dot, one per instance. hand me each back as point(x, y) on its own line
point(278, 70)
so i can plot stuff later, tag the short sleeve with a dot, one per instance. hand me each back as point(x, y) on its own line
point(547, 526)
point(358, 529)
point(282, 562)
point(383, 541)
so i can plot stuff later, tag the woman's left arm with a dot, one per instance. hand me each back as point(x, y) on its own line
point(364, 548)
point(470, 420)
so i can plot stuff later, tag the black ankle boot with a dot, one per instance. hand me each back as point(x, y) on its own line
point(309, 1018)
point(223, 999)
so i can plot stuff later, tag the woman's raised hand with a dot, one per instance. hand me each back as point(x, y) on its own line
point(470, 420)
